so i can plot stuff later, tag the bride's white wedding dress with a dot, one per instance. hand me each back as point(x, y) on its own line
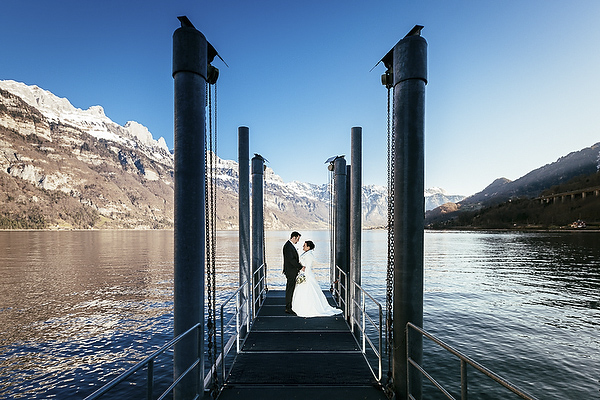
point(308, 299)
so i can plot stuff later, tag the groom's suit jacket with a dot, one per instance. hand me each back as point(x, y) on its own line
point(291, 260)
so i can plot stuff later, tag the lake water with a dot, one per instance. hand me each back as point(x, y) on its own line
point(77, 306)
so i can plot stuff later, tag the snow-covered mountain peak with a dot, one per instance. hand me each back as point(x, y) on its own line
point(270, 176)
point(97, 111)
point(143, 135)
point(50, 105)
point(435, 190)
point(93, 120)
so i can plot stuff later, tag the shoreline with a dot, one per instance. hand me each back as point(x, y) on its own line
point(536, 230)
point(456, 229)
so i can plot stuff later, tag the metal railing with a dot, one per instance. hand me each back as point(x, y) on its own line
point(464, 361)
point(340, 291)
point(259, 288)
point(242, 301)
point(362, 309)
point(149, 362)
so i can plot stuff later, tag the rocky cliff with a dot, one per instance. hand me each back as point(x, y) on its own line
point(63, 167)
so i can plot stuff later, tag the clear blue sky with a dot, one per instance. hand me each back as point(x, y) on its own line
point(513, 84)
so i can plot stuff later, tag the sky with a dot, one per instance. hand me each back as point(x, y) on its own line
point(512, 85)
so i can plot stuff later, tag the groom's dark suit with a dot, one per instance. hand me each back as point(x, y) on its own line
point(291, 267)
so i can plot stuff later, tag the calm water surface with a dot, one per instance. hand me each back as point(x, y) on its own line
point(77, 308)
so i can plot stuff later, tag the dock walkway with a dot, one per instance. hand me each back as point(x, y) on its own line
point(289, 357)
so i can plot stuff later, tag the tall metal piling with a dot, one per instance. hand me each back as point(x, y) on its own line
point(408, 63)
point(340, 199)
point(244, 213)
point(355, 211)
point(258, 226)
point(189, 73)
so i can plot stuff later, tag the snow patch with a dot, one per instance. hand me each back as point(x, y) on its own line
point(93, 120)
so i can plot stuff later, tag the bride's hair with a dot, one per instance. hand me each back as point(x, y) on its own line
point(310, 244)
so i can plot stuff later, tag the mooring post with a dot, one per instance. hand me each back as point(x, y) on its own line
point(189, 73)
point(258, 227)
point(407, 63)
point(355, 214)
point(340, 199)
point(244, 216)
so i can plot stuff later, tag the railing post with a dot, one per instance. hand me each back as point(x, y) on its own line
point(222, 345)
point(248, 306)
point(364, 325)
point(237, 321)
point(380, 340)
point(408, 386)
point(150, 388)
point(464, 392)
point(200, 356)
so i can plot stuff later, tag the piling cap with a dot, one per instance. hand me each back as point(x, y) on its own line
point(190, 49)
point(258, 164)
point(408, 58)
point(259, 157)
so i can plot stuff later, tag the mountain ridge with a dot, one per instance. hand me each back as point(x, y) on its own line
point(585, 162)
point(64, 168)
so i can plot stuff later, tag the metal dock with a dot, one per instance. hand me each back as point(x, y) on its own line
point(280, 356)
point(286, 356)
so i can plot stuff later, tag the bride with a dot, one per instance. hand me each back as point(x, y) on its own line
point(308, 299)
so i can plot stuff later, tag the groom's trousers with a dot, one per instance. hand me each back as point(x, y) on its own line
point(289, 290)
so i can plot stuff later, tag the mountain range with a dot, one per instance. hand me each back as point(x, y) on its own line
point(546, 180)
point(63, 167)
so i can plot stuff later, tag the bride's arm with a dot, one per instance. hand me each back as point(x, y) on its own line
point(309, 260)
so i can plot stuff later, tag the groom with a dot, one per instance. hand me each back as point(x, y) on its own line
point(291, 267)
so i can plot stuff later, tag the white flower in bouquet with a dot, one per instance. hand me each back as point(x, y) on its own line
point(301, 278)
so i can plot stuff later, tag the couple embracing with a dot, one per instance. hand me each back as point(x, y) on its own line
point(303, 297)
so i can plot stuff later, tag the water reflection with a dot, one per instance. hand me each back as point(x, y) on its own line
point(76, 305)
point(520, 304)
point(73, 301)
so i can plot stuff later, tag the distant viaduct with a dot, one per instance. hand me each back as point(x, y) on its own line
point(576, 194)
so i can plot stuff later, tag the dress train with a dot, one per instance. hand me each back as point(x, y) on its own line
point(308, 299)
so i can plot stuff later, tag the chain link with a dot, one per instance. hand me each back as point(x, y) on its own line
point(210, 210)
point(391, 149)
point(264, 247)
point(332, 271)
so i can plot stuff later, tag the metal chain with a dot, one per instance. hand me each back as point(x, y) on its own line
point(391, 148)
point(264, 258)
point(214, 232)
point(332, 272)
point(210, 204)
point(264, 248)
point(214, 193)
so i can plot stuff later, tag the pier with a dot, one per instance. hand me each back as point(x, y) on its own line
point(264, 352)
point(286, 356)
point(278, 355)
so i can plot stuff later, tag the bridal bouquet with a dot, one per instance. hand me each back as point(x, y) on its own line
point(301, 278)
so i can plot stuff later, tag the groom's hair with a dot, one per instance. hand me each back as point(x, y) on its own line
point(310, 244)
point(294, 234)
